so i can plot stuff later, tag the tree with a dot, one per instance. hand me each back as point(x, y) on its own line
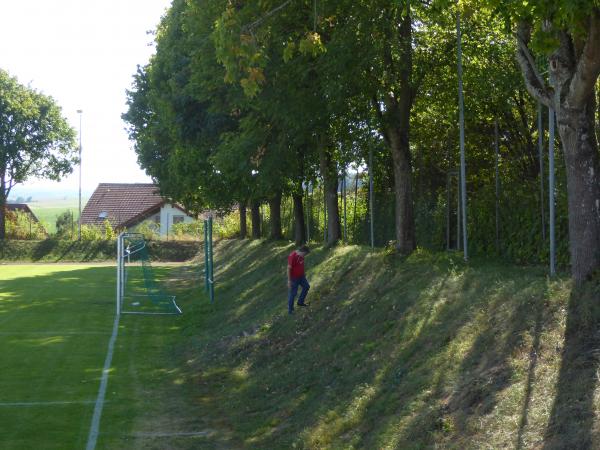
point(64, 223)
point(178, 111)
point(568, 35)
point(35, 140)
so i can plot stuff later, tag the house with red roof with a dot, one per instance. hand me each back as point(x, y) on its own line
point(127, 205)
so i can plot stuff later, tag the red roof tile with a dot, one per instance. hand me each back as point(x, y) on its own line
point(121, 203)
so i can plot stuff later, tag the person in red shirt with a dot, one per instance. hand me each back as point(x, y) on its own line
point(296, 277)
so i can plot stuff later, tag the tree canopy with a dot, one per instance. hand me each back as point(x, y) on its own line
point(35, 140)
point(246, 102)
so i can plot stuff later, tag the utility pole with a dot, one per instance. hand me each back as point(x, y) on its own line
point(80, 112)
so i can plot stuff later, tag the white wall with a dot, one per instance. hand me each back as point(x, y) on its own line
point(167, 212)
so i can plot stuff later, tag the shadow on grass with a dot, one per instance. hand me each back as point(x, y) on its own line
point(57, 292)
point(43, 248)
point(573, 412)
point(390, 353)
point(533, 360)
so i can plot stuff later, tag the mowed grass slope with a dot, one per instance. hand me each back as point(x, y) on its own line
point(393, 353)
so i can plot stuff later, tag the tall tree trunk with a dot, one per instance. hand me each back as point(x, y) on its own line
point(255, 216)
point(574, 71)
point(404, 211)
point(395, 125)
point(580, 148)
point(330, 178)
point(243, 225)
point(299, 225)
point(275, 207)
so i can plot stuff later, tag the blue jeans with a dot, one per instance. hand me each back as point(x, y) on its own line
point(294, 290)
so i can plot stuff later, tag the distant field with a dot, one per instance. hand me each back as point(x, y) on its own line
point(47, 211)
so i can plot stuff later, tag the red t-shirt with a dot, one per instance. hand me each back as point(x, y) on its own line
point(296, 262)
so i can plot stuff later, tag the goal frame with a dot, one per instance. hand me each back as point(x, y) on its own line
point(123, 257)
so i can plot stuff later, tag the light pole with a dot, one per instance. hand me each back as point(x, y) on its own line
point(80, 112)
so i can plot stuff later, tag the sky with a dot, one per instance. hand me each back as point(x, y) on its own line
point(83, 53)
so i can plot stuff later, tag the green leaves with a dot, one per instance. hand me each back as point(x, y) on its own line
point(35, 140)
point(312, 45)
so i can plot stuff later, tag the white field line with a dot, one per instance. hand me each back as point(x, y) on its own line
point(95, 426)
point(53, 333)
point(49, 403)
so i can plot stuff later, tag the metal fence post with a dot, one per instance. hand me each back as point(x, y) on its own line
point(461, 120)
point(371, 195)
point(210, 261)
point(206, 273)
point(551, 193)
point(497, 148)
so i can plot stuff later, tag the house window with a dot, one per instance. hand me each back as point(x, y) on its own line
point(177, 219)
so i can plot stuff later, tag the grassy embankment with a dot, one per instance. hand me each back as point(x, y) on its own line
point(392, 353)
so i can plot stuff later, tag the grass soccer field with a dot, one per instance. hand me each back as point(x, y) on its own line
point(55, 326)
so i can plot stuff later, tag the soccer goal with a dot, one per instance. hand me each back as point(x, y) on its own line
point(138, 291)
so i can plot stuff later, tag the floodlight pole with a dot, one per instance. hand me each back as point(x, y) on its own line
point(461, 120)
point(80, 112)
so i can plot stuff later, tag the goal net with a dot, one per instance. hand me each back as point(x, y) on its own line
point(138, 291)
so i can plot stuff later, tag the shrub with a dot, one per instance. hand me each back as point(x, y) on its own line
point(228, 226)
point(65, 225)
point(21, 225)
point(109, 232)
point(150, 230)
point(188, 231)
point(91, 233)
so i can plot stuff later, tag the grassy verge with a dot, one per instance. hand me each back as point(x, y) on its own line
point(424, 352)
point(55, 250)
